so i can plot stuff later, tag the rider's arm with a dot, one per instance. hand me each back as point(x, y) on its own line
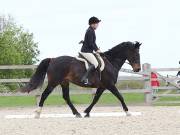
point(91, 40)
point(98, 49)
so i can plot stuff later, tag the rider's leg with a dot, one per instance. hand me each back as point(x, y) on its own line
point(92, 59)
point(85, 76)
point(102, 62)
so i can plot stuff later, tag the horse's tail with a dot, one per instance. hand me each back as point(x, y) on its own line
point(38, 78)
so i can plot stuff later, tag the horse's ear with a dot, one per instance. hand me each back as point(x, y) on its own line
point(137, 45)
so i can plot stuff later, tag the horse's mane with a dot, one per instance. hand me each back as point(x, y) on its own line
point(118, 50)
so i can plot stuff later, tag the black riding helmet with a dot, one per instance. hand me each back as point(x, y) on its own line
point(93, 20)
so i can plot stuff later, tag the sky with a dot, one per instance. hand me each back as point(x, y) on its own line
point(59, 25)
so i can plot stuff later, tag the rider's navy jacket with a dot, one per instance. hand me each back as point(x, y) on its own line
point(89, 44)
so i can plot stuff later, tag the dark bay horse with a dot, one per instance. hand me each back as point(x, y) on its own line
point(65, 69)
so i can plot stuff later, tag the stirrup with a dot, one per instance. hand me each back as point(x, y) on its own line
point(85, 81)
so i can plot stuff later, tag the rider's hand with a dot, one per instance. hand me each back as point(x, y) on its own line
point(98, 51)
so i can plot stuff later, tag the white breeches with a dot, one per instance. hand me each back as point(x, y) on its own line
point(91, 58)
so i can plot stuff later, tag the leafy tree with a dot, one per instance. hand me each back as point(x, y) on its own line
point(17, 47)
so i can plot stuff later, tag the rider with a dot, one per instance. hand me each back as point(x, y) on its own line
point(89, 45)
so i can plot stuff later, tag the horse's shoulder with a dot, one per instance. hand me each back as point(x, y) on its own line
point(106, 61)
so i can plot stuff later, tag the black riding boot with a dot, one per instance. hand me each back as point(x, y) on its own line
point(85, 77)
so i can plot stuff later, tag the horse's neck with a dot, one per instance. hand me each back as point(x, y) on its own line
point(116, 62)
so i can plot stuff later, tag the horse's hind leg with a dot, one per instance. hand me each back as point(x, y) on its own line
point(44, 96)
point(99, 92)
point(65, 91)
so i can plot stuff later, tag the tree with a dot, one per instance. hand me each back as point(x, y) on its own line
point(17, 47)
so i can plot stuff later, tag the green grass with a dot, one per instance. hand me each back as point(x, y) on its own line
point(166, 104)
point(106, 99)
point(162, 101)
point(169, 99)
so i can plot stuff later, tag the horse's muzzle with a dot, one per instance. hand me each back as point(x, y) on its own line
point(136, 67)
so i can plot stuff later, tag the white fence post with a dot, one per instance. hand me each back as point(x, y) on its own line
point(148, 95)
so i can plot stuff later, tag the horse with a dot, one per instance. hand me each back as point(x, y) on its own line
point(65, 69)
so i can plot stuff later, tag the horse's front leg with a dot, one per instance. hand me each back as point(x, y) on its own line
point(116, 93)
point(99, 92)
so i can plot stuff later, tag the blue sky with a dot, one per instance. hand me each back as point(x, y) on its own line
point(59, 25)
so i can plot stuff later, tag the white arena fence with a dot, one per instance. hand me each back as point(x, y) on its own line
point(144, 75)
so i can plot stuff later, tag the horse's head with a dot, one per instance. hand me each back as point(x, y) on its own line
point(125, 51)
point(133, 56)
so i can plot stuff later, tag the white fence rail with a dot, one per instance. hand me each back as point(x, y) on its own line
point(144, 76)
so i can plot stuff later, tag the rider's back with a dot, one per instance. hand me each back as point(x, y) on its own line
point(89, 43)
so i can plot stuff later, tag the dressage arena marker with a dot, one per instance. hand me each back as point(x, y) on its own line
point(114, 114)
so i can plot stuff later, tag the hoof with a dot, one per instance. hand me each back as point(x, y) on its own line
point(87, 115)
point(37, 115)
point(128, 113)
point(78, 115)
